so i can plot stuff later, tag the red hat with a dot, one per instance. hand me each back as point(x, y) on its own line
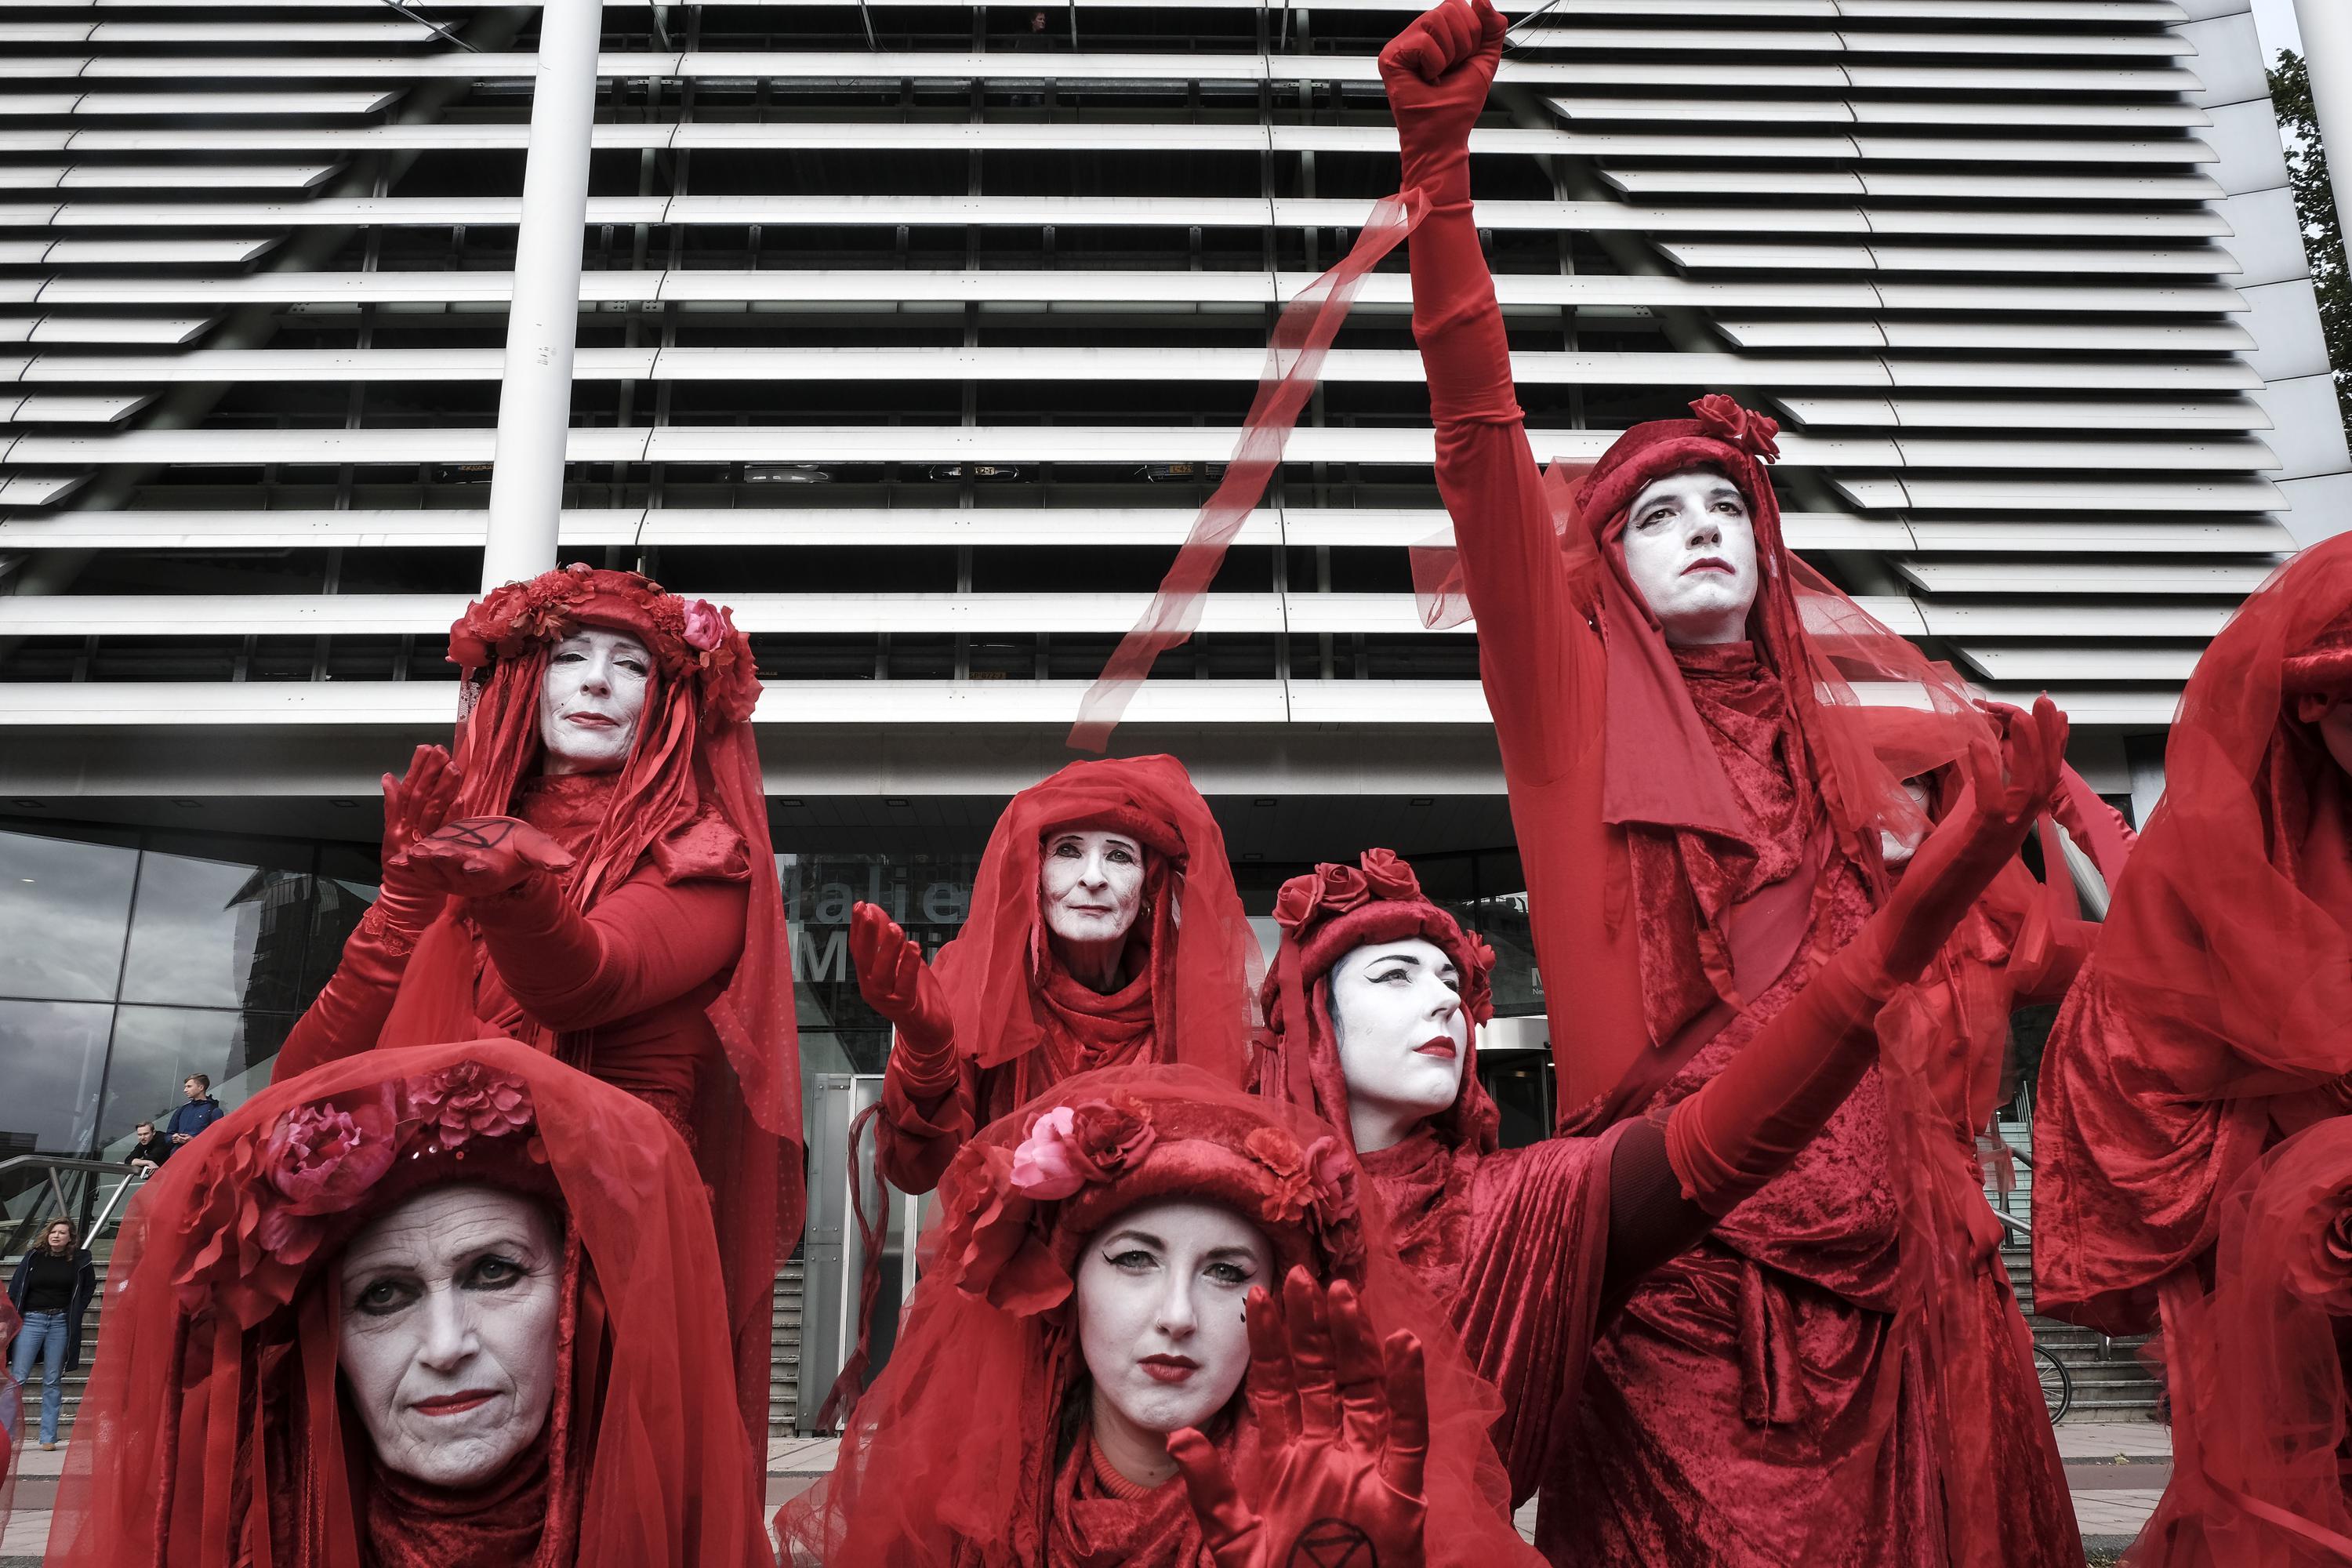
point(1724, 436)
point(684, 636)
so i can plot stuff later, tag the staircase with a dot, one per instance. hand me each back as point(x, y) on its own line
point(784, 1356)
point(77, 1381)
point(2111, 1381)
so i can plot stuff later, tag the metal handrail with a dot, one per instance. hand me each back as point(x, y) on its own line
point(51, 1164)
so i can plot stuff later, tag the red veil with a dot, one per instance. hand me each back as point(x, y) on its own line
point(213, 1436)
point(1200, 949)
point(695, 759)
point(961, 1452)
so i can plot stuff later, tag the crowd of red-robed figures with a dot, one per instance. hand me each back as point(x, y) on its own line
point(1225, 1263)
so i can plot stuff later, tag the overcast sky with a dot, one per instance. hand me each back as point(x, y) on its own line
point(2275, 19)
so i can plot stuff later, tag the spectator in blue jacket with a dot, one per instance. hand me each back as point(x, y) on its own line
point(201, 1111)
point(51, 1291)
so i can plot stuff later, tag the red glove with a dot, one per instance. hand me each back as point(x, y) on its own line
point(897, 983)
point(414, 805)
point(1437, 72)
point(1750, 1121)
point(479, 857)
point(1343, 1430)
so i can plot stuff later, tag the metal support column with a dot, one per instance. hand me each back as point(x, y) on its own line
point(2327, 27)
point(543, 322)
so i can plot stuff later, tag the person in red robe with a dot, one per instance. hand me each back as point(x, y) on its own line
point(1372, 1011)
point(1029, 1418)
point(1017, 1002)
point(1697, 804)
point(554, 1349)
point(2191, 1147)
point(592, 875)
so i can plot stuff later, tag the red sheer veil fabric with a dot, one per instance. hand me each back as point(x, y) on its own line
point(1199, 946)
point(694, 754)
point(1325, 915)
point(954, 1454)
point(213, 1434)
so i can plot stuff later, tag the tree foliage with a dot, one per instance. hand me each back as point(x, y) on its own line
point(2315, 204)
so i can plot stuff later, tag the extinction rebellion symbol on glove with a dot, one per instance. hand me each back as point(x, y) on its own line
point(1332, 1543)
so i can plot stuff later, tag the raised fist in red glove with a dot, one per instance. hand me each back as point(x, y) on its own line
point(2008, 786)
point(897, 983)
point(419, 801)
point(480, 856)
point(1437, 72)
point(1343, 1426)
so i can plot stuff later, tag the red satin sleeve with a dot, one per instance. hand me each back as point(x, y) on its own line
point(348, 1014)
point(649, 941)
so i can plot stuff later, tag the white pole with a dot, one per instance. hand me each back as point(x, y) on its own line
point(543, 322)
point(2327, 27)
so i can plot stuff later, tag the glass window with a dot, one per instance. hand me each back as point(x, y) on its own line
point(55, 1052)
point(346, 887)
point(227, 924)
point(63, 907)
point(156, 1049)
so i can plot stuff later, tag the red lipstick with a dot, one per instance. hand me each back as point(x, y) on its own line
point(1442, 1046)
point(1168, 1368)
point(454, 1404)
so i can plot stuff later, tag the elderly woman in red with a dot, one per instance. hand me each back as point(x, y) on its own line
point(593, 875)
point(1682, 712)
point(1104, 931)
point(444, 1306)
point(2190, 1130)
point(1093, 1372)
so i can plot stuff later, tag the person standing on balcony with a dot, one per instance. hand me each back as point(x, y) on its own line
point(593, 875)
point(200, 1111)
point(1679, 704)
point(149, 1150)
point(52, 1290)
point(2193, 1153)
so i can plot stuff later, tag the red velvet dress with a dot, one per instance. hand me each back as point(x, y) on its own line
point(1750, 1403)
point(620, 990)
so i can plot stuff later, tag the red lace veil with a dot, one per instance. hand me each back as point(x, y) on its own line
point(952, 1458)
point(1326, 914)
point(695, 751)
point(1201, 948)
point(213, 1434)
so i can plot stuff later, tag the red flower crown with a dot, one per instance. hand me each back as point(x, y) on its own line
point(1330, 891)
point(685, 637)
point(1722, 418)
point(267, 1199)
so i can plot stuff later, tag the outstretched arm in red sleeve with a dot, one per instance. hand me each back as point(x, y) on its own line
point(928, 1096)
point(348, 1014)
point(1674, 1179)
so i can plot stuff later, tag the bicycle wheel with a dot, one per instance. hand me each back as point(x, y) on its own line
point(2057, 1384)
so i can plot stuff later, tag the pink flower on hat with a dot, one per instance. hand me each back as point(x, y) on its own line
point(706, 626)
point(1044, 1169)
point(465, 1100)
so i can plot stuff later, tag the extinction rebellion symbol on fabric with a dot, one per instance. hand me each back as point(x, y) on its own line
point(1332, 1543)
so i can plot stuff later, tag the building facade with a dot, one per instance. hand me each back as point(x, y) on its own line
point(917, 332)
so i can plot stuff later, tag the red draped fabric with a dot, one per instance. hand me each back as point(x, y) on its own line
point(215, 1434)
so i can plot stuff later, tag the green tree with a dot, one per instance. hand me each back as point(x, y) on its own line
point(2315, 203)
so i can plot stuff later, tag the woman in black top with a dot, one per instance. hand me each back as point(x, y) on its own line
point(52, 1290)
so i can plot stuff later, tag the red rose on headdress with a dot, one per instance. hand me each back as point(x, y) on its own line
point(1293, 1189)
point(2319, 1266)
point(465, 1100)
point(1338, 1206)
point(1071, 1145)
point(1296, 902)
point(706, 626)
point(1723, 418)
point(1113, 1135)
point(1389, 876)
point(320, 1158)
point(1344, 888)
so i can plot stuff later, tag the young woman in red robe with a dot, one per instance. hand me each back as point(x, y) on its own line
point(1093, 1371)
point(442, 1307)
point(1372, 1011)
point(1697, 804)
point(1104, 931)
point(593, 875)
point(2193, 1155)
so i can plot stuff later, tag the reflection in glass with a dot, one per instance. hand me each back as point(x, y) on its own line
point(209, 932)
point(346, 887)
point(156, 1048)
point(62, 911)
point(55, 1052)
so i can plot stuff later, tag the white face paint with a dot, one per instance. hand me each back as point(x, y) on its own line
point(1396, 1009)
point(1160, 1293)
point(1091, 883)
point(591, 700)
point(1690, 548)
point(448, 1347)
point(1898, 848)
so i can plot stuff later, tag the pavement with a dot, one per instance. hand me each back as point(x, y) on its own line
point(2117, 1470)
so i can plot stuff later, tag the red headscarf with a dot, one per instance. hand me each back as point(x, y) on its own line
point(694, 754)
point(213, 1434)
point(965, 1451)
point(1198, 947)
point(1327, 914)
